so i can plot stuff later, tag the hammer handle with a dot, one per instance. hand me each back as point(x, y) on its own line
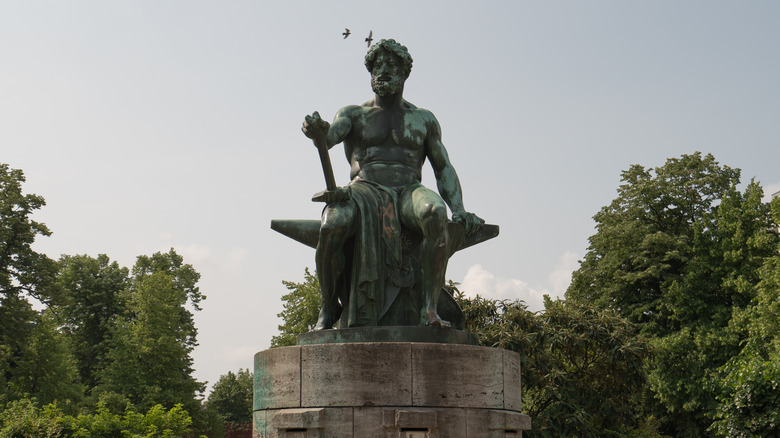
point(321, 143)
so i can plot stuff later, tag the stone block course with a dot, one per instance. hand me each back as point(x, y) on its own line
point(469, 377)
point(512, 384)
point(366, 374)
point(278, 378)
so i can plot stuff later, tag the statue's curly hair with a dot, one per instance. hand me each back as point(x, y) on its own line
point(393, 47)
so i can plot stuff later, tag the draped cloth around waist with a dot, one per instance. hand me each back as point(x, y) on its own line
point(377, 251)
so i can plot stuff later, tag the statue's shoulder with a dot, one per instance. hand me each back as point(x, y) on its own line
point(350, 111)
point(424, 116)
point(419, 112)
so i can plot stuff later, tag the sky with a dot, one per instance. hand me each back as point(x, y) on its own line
point(151, 125)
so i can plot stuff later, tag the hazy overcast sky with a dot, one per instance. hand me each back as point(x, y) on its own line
point(148, 125)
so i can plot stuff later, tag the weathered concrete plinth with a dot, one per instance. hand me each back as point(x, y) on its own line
point(388, 389)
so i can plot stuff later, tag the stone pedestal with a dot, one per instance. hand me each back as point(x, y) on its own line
point(388, 389)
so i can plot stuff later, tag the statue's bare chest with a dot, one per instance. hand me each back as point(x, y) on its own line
point(391, 129)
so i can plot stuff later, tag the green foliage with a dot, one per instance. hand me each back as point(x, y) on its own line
point(183, 276)
point(117, 338)
point(23, 419)
point(46, 369)
point(679, 252)
point(582, 367)
point(209, 423)
point(301, 309)
point(652, 255)
point(748, 395)
point(93, 289)
point(156, 423)
point(22, 270)
point(232, 397)
point(133, 335)
point(17, 324)
point(149, 360)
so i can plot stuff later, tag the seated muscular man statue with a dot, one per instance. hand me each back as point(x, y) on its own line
point(386, 141)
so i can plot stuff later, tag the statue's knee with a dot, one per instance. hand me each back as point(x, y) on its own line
point(434, 222)
point(334, 231)
point(435, 215)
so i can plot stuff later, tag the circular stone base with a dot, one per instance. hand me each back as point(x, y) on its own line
point(434, 335)
point(388, 390)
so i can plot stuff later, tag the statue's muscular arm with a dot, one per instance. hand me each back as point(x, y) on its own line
point(335, 132)
point(342, 125)
point(314, 126)
point(447, 179)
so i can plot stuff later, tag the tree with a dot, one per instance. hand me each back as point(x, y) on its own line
point(232, 397)
point(46, 369)
point(582, 366)
point(23, 273)
point(301, 309)
point(17, 324)
point(22, 270)
point(646, 238)
point(748, 394)
point(678, 252)
point(93, 290)
point(131, 336)
point(150, 361)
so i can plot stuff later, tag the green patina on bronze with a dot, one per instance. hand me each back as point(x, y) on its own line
point(384, 240)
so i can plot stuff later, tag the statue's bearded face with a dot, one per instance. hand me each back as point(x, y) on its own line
point(387, 77)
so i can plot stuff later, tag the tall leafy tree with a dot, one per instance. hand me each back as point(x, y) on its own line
point(150, 358)
point(748, 395)
point(678, 252)
point(582, 366)
point(646, 238)
point(23, 272)
point(232, 396)
point(93, 300)
point(130, 335)
point(46, 369)
point(17, 324)
point(301, 309)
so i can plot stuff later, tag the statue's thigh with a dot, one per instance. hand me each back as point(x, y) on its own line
point(420, 204)
point(339, 219)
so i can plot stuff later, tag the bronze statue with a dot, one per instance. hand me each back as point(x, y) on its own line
point(386, 141)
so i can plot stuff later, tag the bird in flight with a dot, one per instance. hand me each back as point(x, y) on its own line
point(346, 33)
point(370, 38)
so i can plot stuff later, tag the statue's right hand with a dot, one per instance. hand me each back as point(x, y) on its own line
point(314, 126)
